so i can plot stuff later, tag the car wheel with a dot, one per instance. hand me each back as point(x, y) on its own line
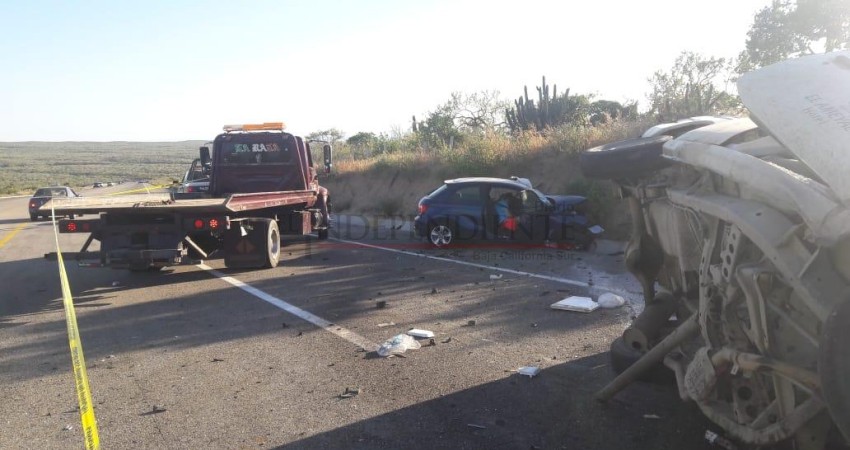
point(623, 356)
point(33, 217)
point(440, 235)
point(624, 159)
point(323, 234)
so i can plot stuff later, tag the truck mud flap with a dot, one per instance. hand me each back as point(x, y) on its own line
point(253, 243)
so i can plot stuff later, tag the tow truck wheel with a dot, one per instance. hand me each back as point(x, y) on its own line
point(323, 234)
point(272, 243)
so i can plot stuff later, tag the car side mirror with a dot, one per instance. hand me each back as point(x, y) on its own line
point(205, 156)
point(327, 153)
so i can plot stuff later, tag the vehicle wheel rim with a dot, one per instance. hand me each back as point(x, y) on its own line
point(441, 235)
point(274, 244)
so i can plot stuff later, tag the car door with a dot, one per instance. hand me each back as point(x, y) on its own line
point(465, 212)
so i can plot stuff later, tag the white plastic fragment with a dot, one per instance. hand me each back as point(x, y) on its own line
point(575, 303)
point(417, 333)
point(529, 371)
point(610, 300)
point(495, 277)
point(399, 344)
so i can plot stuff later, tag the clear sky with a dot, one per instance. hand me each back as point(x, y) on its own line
point(175, 70)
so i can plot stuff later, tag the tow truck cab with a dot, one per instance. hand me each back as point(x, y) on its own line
point(260, 158)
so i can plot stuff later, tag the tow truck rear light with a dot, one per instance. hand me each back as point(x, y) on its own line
point(276, 126)
point(211, 223)
point(78, 226)
point(71, 227)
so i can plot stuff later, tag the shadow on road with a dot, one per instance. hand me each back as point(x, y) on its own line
point(553, 410)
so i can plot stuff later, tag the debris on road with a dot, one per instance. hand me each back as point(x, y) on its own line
point(447, 340)
point(156, 409)
point(575, 303)
point(495, 277)
point(471, 323)
point(350, 392)
point(381, 304)
point(386, 324)
point(610, 300)
point(529, 371)
point(433, 291)
point(475, 425)
point(417, 333)
point(115, 283)
point(217, 360)
point(67, 428)
point(651, 416)
point(399, 344)
point(716, 439)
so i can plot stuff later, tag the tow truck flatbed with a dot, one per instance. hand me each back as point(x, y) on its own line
point(165, 202)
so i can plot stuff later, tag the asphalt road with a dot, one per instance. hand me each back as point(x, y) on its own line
point(187, 359)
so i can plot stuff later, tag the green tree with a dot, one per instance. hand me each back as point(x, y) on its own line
point(788, 28)
point(694, 86)
point(331, 135)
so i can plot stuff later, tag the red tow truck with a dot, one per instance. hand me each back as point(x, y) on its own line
point(262, 184)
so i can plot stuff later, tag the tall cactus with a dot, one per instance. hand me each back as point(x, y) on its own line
point(549, 111)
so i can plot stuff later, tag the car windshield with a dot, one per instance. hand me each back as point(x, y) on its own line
point(50, 192)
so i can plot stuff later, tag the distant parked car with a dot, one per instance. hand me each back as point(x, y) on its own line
point(110, 184)
point(196, 181)
point(98, 185)
point(42, 195)
point(503, 210)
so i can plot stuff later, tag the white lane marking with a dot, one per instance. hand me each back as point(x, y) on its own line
point(594, 288)
point(471, 264)
point(348, 335)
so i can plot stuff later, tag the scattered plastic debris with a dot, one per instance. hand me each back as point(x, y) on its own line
point(575, 303)
point(471, 323)
point(417, 333)
point(386, 324)
point(475, 425)
point(115, 283)
point(651, 416)
point(716, 439)
point(350, 392)
point(529, 371)
point(67, 428)
point(495, 277)
point(447, 340)
point(610, 300)
point(399, 344)
point(217, 360)
point(156, 409)
point(381, 304)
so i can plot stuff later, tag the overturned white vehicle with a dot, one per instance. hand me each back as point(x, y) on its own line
point(741, 234)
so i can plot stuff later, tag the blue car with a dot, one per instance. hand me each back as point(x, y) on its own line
point(498, 210)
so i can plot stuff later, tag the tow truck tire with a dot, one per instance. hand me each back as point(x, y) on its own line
point(272, 248)
point(624, 159)
point(323, 234)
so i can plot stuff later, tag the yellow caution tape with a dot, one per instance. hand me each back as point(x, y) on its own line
point(81, 380)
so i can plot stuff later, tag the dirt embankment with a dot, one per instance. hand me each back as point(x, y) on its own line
point(387, 190)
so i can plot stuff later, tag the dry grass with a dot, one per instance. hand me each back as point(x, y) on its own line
point(25, 166)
